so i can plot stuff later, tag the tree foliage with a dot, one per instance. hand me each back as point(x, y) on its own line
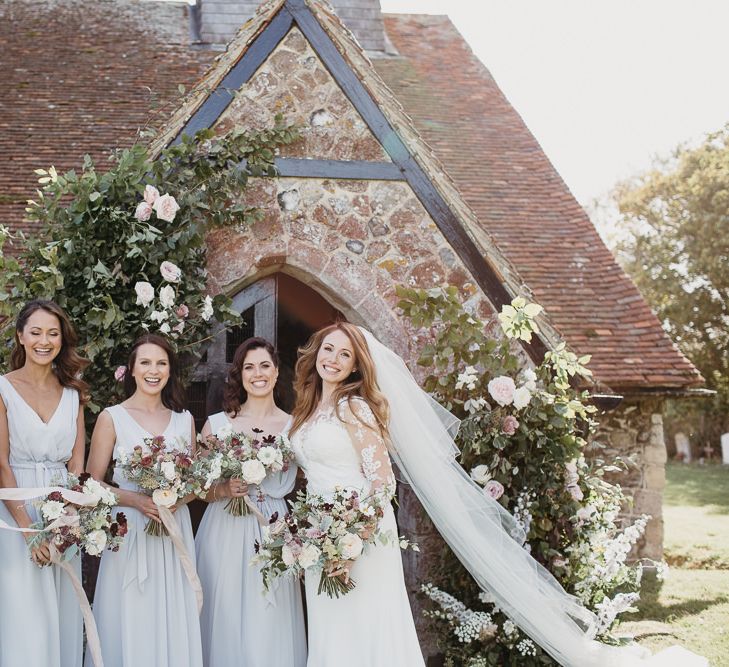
point(675, 245)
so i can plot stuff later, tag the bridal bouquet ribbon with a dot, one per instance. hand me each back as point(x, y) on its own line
point(73, 518)
point(231, 455)
point(326, 533)
point(167, 475)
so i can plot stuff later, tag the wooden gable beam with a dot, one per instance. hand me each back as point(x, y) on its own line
point(485, 275)
point(403, 166)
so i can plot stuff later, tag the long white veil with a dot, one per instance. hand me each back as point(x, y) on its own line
point(484, 536)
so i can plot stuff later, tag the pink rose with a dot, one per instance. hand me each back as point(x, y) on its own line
point(170, 272)
point(178, 328)
point(502, 389)
point(166, 208)
point(119, 373)
point(509, 424)
point(182, 311)
point(151, 194)
point(143, 212)
point(494, 489)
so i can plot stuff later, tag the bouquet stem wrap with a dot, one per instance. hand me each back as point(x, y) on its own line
point(168, 520)
point(92, 634)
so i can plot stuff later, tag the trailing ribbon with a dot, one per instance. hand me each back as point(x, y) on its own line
point(92, 633)
point(168, 520)
point(255, 511)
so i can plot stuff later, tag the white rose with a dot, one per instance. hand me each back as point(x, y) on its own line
point(145, 293)
point(151, 194)
point(224, 431)
point(168, 470)
point(502, 389)
point(267, 455)
point(287, 555)
point(166, 208)
point(309, 556)
point(530, 379)
point(480, 474)
point(350, 546)
point(52, 509)
point(207, 310)
point(167, 296)
point(522, 396)
point(253, 472)
point(164, 497)
point(170, 272)
point(143, 211)
point(95, 542)
point(158, 315)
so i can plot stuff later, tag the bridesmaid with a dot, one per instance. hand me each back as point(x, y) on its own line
point(144, 606)
point(241, 627)
point(41, 439)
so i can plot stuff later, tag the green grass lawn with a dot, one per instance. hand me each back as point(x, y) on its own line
point(691, 607)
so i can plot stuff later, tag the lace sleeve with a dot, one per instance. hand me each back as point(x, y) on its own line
point(369, 443)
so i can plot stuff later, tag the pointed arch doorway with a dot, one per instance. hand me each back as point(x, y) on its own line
point(280, 309)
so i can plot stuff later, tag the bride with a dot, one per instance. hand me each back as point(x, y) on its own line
point(338, 433)
point(345, 381)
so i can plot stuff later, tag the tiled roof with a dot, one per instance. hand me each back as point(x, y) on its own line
point(520, 199)
point(75, 76)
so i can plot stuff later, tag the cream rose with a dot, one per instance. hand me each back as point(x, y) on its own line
point(143, 211)
point(145, 293)
point(167, 296)
point(502, 389)
point(287, 555)
point(170, 272)
point(164, 497)
point(168, 470)
point(95, 542)
point(166, 208)
point(522, 396)
point(309, 556)
point(253, 472)
point(151, 194)
point(350, 546)
point(480, 474)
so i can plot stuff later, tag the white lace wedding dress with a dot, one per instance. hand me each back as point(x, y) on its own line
point(373, 624)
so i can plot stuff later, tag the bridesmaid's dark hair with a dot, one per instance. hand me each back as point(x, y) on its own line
point(69, 364)
point(234, 394)
point(173, 394)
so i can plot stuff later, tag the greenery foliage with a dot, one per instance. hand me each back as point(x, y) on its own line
point(123, 249)
point(522, 438)
point(673, 224)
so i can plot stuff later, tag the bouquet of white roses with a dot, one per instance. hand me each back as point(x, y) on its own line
point(70, 527)
point(164, 474)
point(232, 455)
point(324, 533)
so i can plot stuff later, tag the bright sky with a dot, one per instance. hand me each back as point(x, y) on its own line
point(603, 84)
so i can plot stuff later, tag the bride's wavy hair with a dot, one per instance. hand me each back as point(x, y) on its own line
point(361, 383)
point(69, 364)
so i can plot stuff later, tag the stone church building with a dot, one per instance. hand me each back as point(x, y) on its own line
point(413, 168)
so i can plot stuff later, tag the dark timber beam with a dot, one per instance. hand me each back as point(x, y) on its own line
point(485, 275)
point(339, 169)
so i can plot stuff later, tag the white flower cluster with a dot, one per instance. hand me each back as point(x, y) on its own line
point(467, 379)
point(526, 648)
point(522, 512)
point(609, 609)
point(468, 625)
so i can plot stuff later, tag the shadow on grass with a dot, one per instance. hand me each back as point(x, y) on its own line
point(698, 485)
point(650, 608)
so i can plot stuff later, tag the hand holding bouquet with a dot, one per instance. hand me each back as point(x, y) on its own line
point(70, 527)
point(324, 533)
point(163, 473)
point(232, 455)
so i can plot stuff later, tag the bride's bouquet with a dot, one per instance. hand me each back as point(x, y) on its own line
point(324, 533)
point(232, 455)
point(165, 474)
point(72, 527)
